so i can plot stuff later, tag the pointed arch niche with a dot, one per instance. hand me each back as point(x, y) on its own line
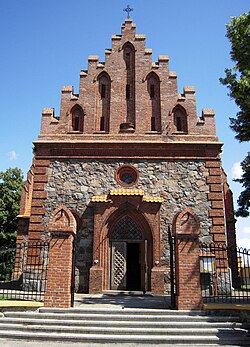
point(77, 121)
point(62, 220)
point(186, 223)
point(153, 88)
point(180, 119)
point(104, 93)
point(129, 59)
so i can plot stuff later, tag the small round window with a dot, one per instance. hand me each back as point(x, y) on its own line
point(126, 176)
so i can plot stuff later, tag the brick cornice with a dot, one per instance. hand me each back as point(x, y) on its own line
point(155, 150)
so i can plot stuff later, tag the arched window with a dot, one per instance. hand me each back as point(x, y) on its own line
point(104, 82)
point(180, 119)
point(153, 87)
point(77, 119)
point(129, 59)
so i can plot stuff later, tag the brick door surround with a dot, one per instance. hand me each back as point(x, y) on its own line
point(106, 216)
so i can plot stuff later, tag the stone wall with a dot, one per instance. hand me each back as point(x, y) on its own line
point(72, 182)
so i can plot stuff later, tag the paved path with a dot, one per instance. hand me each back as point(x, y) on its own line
point(122, 300)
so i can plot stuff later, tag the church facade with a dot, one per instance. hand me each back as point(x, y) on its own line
point(127, 162)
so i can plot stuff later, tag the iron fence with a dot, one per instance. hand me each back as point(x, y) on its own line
point(225, 273)
point(23, 271)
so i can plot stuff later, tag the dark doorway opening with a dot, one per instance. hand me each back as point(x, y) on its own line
point(133, 266)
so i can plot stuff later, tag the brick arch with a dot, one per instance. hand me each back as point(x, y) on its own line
point(151, 74)
point(103, 72)
point(128, 44)
point(130, 211)
point(62, 220)
point(141, 231)
point(100, 271)
point(186, 223)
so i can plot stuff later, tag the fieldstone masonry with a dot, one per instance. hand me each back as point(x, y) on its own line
point(73, 183)
point(128, 148)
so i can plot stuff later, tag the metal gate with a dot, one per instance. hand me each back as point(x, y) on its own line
point(23, 271)
point(225, 273)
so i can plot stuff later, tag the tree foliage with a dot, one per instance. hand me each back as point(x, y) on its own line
point(238, 78)
point(11, 182)
point(244, 198)
point(237, 81)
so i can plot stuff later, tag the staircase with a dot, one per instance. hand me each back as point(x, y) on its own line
point(123, 325)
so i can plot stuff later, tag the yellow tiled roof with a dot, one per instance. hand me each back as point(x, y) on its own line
point(126, 192)
point(99, 198)
point(139, 192)
point(152, 199)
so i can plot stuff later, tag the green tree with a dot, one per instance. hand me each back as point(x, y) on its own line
point(11, 182)
point(238, 82)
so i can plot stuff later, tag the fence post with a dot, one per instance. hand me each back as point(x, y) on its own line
point(187, 269)
point(62, 226)
point(188, 274)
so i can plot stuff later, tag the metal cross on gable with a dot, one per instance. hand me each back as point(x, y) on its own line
point(128, 9)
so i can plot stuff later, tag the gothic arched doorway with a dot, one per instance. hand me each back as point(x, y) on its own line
point(130, 256)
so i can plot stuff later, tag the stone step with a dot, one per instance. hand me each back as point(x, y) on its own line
point(109, 338)
point(121, 315)
point(119, 330)
point(128, 323)
point(135, 311)
point(122, 325)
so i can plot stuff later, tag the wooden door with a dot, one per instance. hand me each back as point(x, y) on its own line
point(118, 265)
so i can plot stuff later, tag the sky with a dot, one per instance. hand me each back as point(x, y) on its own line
point(44, 45)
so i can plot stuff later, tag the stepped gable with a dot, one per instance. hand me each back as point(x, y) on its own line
point(128, 97)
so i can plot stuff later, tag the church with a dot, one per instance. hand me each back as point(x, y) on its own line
point(126, 167)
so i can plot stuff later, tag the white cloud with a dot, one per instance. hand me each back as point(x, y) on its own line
point(12, 155)
point(246, 230)
point(244, 242)
point(236, 170)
